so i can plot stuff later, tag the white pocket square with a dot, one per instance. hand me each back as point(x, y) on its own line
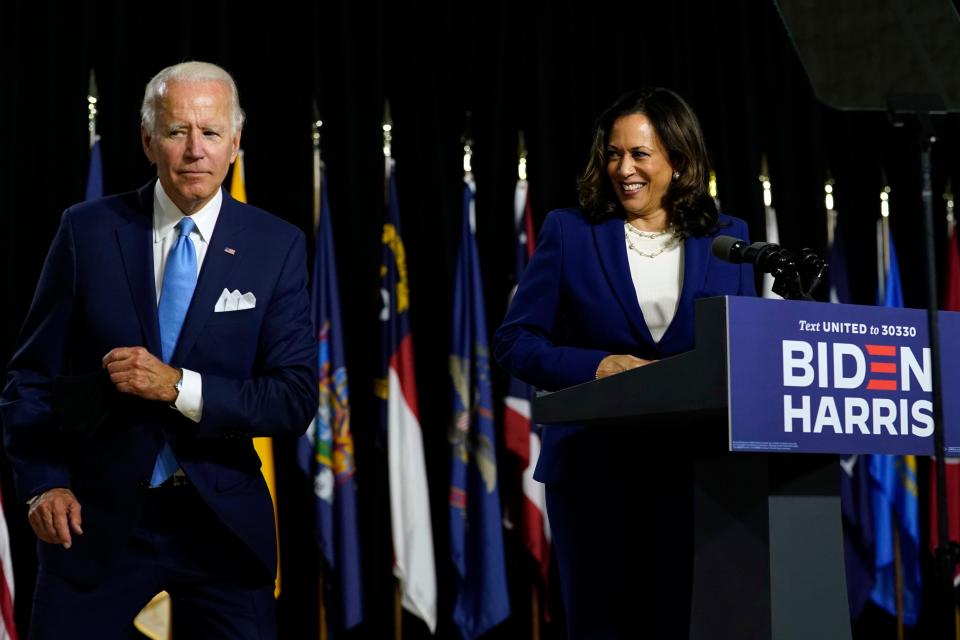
point(235, 301)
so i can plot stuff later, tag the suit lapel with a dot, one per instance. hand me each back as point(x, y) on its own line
point(612, 249)
point(136, 248)
point(217, 266)
point(696, 253)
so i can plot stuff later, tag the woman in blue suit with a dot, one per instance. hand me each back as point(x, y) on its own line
point(611, 287)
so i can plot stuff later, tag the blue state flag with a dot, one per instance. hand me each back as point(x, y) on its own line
point(856, 499)
point(895, 503)
point(837, 272)
point(95, 173)
point(325, 452)
point(476, 537)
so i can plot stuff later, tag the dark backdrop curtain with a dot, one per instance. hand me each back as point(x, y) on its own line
point(547, 68)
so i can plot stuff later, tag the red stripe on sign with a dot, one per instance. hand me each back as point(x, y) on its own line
point(882, 385)
point(881, 350)
point(883, 367)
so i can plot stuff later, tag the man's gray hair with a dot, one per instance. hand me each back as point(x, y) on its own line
point(192, 71)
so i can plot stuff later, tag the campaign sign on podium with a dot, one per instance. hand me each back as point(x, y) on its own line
point(834, 378)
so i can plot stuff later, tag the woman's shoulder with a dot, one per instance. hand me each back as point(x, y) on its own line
point(569, 217)
point(726, 224)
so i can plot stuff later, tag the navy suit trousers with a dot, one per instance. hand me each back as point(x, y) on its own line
point(179, 546)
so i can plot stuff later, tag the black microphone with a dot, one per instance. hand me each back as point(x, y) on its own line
point(773, 259)
point(767, 257)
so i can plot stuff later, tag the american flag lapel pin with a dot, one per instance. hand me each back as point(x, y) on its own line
point(230, 250)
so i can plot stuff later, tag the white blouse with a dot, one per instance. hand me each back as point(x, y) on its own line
point(656, 280)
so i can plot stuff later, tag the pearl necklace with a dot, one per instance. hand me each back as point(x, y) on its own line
point(642, 235)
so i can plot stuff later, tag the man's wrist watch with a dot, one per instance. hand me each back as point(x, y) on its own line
point(178, 387)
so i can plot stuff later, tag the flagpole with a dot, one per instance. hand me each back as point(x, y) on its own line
point(898, 574)
point(897, 555)
point(387, 128)
point(885, 222)
point(317, 182)
point(534, 573)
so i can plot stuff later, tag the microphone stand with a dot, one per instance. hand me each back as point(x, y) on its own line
point(787, 280)
point(918, 108)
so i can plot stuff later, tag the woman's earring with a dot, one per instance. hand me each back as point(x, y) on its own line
point(676, 174)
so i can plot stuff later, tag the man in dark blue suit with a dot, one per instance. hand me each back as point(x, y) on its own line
point(169, 326)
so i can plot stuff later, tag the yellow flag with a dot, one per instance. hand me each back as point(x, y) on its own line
point(264, 446)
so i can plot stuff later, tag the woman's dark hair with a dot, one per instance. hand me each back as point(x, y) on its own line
point(689, 207)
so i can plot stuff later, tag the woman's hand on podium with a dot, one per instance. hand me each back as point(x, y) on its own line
point(614, 364)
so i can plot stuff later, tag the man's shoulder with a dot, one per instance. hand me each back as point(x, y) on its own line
point(119, 207)
point(257, 220)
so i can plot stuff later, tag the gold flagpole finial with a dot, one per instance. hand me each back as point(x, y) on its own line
point(765, 181)
point(93, 96)
point(521, 157)
point(467, 141)
point(387, 127)
point(315, 126)
point(948, 199)
point(318, 165)
point(828, 204)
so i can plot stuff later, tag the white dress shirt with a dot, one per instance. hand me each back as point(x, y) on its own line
point(166, 215)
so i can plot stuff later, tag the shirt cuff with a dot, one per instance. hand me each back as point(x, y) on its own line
point(190, 400)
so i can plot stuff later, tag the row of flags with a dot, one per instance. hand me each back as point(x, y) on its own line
point(475, 521)
point(879, 493)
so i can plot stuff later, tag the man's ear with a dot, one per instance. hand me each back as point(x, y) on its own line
point(236, 146)
point(146, 137)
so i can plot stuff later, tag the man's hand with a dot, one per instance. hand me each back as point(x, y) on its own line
point(54, 515)
point(614, 364)
point(137, 371)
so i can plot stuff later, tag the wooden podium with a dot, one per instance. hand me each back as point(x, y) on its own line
point(768, 543)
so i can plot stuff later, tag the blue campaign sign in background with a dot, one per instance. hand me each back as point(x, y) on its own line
point(832, 378)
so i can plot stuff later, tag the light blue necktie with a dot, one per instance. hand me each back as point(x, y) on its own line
point(179, 281)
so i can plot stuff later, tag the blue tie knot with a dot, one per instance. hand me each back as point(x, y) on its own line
point(186, 226)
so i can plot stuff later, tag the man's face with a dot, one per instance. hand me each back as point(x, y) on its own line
point(193, 145)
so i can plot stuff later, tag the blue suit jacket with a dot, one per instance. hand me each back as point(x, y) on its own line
point(258, 366)
point(576, 304)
